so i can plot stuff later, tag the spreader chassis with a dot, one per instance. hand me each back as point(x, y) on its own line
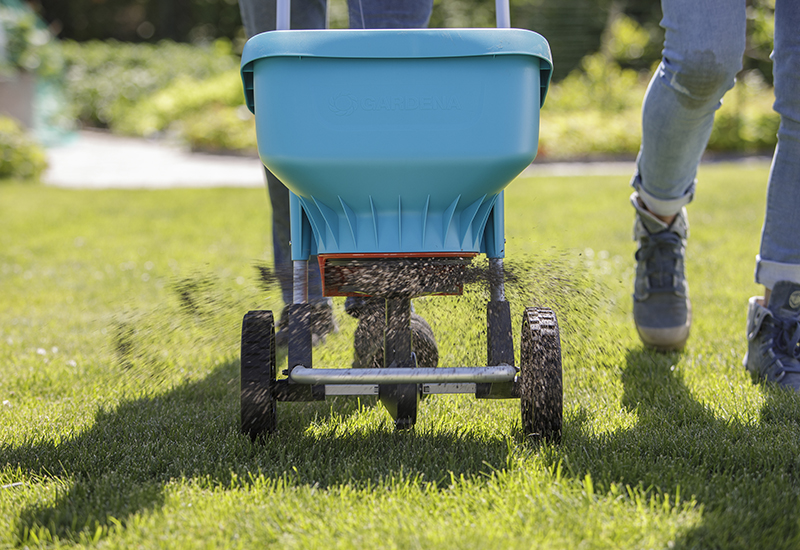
point(536, 381)
point(396, 145)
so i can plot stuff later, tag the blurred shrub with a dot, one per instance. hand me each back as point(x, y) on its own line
point(221, 128)
point(597, 111)
point(155, 113)
point(143, 20)
point(196, 94)
point(746, 122)
point(599, 84)
point(631, 45)
point(574, 28)
point(760, 36)
point(590, 133)
point(20, 156)
point(105, 79)
point(26, 43)
point(208, 114)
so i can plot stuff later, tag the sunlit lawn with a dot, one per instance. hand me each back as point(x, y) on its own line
point(120, 314)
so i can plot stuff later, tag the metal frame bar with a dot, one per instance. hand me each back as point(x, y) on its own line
point(497, 287)
point(431, 389)
point(373, 389)
point(502, 14)
point(283, 15)
point(454, 375)
point(299, 281)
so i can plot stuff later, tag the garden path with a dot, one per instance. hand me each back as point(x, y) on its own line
point(100, 160)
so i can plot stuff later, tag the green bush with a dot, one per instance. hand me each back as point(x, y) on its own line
point(146, 90)
point(196, 94)
point(221, 128)
point(28, 44)
point(631, 45)
point(20, 156)
point(589, 133)
point(184, 96)
point(105, 79)
point(597, 111)
point(593, 112)
point(599, 84)
point(746, 122)
point(209, 115)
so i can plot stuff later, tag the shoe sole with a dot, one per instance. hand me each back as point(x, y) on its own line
point(368, 344)
point(664, 339)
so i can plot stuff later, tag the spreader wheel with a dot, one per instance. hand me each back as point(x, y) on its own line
point(540, 389)
point(258, 373)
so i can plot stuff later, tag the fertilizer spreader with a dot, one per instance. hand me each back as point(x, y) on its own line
point(396, 146)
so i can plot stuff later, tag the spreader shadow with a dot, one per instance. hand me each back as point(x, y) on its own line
point(124, 463)
point(744, 474)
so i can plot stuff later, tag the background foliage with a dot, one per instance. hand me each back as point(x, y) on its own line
point(105, 79)
point(20, 156)
point(170, 68)
point(26, 43)
point(194, 93)
point(143, 20)
point(574, 28)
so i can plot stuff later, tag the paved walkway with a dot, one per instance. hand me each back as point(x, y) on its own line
point(97, 160)
point(100, 160)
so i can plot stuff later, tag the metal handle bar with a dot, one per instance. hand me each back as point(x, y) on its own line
point(282, 15)
point(304, 375)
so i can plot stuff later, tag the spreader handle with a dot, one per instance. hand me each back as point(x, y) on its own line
point(282, 16)
point(503, 14)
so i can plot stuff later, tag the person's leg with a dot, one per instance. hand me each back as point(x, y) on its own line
point(779, 256)
point(773, 322)
point(389, 14)
point(370, 312)
point(322, 320)
point(259, 16)
point(281, 234)
point(703, 48)
point(281, 237)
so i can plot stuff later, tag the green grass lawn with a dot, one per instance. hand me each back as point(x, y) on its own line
point(120, 314)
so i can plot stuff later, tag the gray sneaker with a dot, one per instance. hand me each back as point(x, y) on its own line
point(773, 337)
point(368, 337)
point(662, 311)
point(323, 322)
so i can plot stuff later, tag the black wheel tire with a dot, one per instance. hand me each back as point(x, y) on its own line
point(258, 374)
point(368, 342)
point(540, 385)
point(424, 343)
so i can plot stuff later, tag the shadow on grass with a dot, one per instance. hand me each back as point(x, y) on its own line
point(744, 474)
point(125, 462)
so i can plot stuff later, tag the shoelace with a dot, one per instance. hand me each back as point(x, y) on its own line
point(787, 341)
point(660, 254)
point(784, 341)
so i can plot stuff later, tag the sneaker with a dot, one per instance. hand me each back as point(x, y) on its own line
point(773, 336)
point(662, 311)
point(368, 337)
point(323, 323)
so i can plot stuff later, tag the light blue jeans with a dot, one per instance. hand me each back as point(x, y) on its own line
point(703, 49)
point(259, 16)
